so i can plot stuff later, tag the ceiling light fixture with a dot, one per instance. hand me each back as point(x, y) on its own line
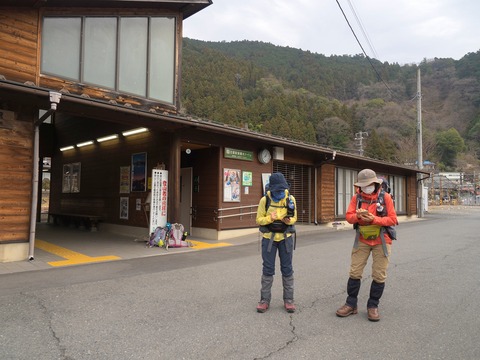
point(67, 148)
point(106, 138)
point(134, 131)
point(90, 142)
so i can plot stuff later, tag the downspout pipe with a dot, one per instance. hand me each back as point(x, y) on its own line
point(315, 196)
point(54, 100)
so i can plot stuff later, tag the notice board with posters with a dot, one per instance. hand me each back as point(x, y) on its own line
point(159, 201)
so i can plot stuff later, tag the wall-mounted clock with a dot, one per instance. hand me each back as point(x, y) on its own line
point(264, 156)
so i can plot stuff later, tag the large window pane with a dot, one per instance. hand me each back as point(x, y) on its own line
point(133, 55)
point(345, 189)
point(61, 47)
point(100, 51)
point(340, 192)
point(162, 59)
point(399, 192)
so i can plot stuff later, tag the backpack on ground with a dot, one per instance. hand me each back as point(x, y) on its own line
point(158, 237)
point(176, 236)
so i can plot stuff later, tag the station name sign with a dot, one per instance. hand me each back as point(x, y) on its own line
point(238, 154)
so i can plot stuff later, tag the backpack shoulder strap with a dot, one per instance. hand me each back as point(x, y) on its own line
point(381, 197)
point(359, 200)
point(267, 202)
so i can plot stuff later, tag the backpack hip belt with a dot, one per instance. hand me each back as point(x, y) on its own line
point(290, 230)
point(382, 237)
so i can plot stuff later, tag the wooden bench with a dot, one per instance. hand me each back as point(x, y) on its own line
point(80, 221)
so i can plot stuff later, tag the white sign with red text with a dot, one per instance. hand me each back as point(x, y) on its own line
point(158, 206)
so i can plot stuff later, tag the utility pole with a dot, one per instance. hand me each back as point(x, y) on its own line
point(420, 145)
point(359, 136)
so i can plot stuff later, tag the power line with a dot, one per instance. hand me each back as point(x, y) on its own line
point(363, 50)
point(362, 28)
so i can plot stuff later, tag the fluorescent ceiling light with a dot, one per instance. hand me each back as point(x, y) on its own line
point(106, 138)
point(90, 142)
point(134, 131)
point(67, 148)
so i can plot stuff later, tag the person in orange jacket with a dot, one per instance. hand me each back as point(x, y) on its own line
point(373, 215)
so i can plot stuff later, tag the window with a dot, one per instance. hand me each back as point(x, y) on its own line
point(61, 46)
point(135, 55)
point(397, 184)
point(100, 51)
point(345, 179)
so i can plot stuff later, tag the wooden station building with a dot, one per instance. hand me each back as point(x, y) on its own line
point(94, 87)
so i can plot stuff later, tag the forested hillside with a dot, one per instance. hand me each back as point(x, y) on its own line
point(327, 100)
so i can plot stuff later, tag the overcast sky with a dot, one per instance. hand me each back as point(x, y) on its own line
point(403, 31)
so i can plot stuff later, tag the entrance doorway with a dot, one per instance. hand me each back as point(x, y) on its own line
point(186, 177)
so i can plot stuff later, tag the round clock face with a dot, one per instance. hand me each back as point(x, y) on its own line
point(264, 156)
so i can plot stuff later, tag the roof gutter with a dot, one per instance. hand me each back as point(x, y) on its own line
point(175, 119)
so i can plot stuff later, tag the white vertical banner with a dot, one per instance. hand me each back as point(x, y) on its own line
point(158, 206)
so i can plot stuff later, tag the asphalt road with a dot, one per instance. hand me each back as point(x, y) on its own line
point(201, 305)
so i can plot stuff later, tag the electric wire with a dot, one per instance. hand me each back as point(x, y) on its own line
point(363, 50)
point(362, 28)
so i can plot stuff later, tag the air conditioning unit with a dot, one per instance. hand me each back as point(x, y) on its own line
point(278, 153)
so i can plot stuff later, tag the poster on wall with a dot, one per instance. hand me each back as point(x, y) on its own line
point(139, 172)
point(247, 178)
point(231, 185)
point(265, 181)
point(124, 179)
point(159, 199)
point(124, 208)
point(71, 178)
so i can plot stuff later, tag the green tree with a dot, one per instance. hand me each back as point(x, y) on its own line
point(380, 147)
point(333, 132)
point(449, 144)
point(46, 184)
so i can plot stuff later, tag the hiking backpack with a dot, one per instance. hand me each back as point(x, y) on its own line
point(158, 237)
point(176, 236)
point(381, 208)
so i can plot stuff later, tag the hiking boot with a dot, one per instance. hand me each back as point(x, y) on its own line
point(262, 306)
point(373, 314)
point(346, 310)
point(290, 306)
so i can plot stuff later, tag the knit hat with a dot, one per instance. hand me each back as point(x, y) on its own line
point(366, 177)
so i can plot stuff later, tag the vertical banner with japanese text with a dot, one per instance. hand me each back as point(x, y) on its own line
point(158, 206)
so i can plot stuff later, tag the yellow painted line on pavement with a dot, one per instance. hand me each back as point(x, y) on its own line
point(72, 257)
point(198, 245)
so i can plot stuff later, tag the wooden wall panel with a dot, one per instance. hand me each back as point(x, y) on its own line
point(411, 195)
point(19, 44)
point(326, 199)
point(15, 180)
point(255, 192)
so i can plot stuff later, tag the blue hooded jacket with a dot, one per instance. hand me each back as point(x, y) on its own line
point(277, 185)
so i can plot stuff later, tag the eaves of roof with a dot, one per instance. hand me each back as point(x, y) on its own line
point(102, 110)
point(187, 8)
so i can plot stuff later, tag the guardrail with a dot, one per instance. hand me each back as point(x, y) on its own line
point(217, 215)
point(242, 211)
